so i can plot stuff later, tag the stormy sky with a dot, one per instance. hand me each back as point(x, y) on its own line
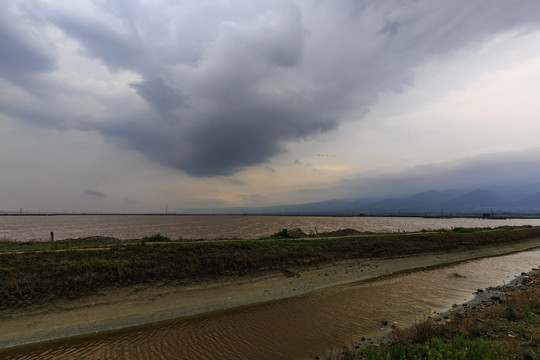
point(129, 106)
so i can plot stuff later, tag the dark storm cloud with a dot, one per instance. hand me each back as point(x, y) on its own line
point(113, 40)
point(94, 193)
point(227, 89)
point(23, 53)
point(20, 56)
point(222, 143)
point(161, 97)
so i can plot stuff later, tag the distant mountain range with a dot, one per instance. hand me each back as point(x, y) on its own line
point(504, 201)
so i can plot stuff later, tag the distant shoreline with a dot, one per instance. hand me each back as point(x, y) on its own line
point(419, 215)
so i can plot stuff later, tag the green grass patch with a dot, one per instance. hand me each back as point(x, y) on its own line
point(156, 238)
point(458, 348)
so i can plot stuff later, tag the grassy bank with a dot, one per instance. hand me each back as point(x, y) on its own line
point(505, 328)
point(33, 273)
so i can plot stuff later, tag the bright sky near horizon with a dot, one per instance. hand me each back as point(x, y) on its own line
point(128, 106)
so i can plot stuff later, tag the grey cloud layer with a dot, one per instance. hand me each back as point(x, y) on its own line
point(227, 84)
point(517, 170)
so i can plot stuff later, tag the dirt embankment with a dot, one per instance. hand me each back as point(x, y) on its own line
point(122, 305)
point(83, 267)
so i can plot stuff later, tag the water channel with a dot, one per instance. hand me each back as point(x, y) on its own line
point(294, 328)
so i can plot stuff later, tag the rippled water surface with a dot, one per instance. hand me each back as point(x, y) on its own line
point(21, 228)
point(293, 328)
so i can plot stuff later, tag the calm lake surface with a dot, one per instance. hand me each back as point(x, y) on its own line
point(24, 228)
point(297, 327)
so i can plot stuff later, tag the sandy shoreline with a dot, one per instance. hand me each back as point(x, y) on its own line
point(140, 304)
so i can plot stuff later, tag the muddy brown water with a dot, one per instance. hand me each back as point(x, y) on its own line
point(24, 228)
point(294, 328)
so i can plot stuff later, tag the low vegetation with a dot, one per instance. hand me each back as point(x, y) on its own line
point(33, 273)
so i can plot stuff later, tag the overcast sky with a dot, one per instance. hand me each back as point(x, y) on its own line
point(131, 106)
